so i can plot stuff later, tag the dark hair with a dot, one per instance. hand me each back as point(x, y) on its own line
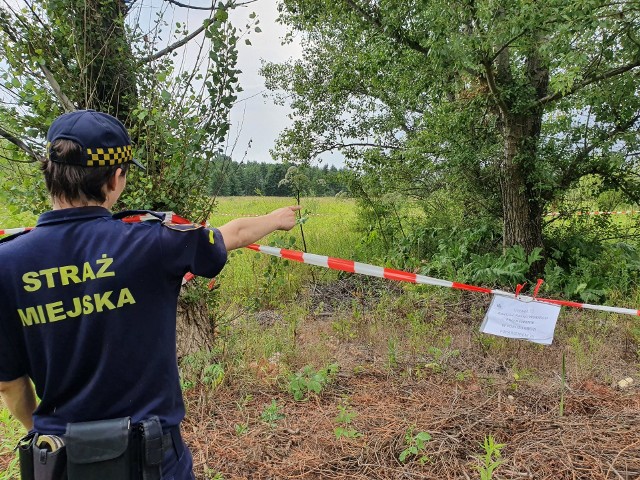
point(76, 183)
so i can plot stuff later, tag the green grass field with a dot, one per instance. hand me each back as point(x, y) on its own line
point(329, 229)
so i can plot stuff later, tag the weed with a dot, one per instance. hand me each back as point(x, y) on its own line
point(440, 356)
point(415, 446)
point(10, 433)
point(246, 400)
point(213, 375)
point(275, 277)
point(241, 429)
point(344, 418)
point(520, 376)
point(343, 327)
point(491, 459)
point(212, 474)
point(464, 375)
point(271, 413)
point(585, 351)
point(301, 384)
point(201, 367)
point(392, 352)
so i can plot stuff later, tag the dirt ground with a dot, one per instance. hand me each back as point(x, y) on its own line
point(596, 437)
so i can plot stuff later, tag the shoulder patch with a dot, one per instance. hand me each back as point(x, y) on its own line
point(183, 227)
point(15, 235)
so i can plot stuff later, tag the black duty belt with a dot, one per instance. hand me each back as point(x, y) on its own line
point(171, 438)
point(101, 450)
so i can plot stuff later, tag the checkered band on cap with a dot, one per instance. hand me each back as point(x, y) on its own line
point(103, 139)
point(102, 157)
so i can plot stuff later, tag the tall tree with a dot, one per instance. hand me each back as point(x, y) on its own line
point(67, 54)
point(61, 55)
point(516, 99)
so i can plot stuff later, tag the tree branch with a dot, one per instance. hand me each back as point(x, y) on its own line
point(20, 144)
point(174, 46)
point(574, 171)
point(212, 7)
point(391, 33)
point(493, 88)
point(62, 98)
point(611, 73)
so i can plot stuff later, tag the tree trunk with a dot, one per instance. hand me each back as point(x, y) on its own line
point(107, 67)
point(522, 210)
point(521, 200)
point(195, 328)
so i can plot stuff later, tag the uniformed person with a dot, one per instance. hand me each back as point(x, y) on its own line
point(88, 302)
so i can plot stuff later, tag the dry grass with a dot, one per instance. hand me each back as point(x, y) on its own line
point(440, 377)
point(598, 438)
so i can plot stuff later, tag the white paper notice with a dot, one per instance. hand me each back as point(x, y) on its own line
point(511, 318)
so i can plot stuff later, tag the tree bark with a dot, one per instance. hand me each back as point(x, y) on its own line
point(107, 66)
point(522, 222)
point(521, 201)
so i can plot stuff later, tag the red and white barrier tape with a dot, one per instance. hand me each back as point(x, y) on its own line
point(13, 231)
point(374, 271)
point(401, 276)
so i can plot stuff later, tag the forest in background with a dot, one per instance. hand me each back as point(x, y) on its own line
point(230, 178)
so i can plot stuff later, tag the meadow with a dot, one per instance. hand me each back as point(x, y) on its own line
point(316, 374)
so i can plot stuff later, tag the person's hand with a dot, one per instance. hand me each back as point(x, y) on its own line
point(285, 217)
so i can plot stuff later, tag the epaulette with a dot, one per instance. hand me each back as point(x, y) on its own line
point(137, 215)
point(183, 227)
point(11, 237)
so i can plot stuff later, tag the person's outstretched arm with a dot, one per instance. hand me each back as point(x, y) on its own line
point(20, 399)
point(245, 231)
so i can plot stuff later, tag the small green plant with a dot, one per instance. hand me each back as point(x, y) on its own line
point(212, 474)
point(213, 375)
point(520, 376)
point(301, 384)
point(10, 432)
point(392, 352)
point(344, 328)
point(201, 367)
point(241, 429)
point(271, 413)
point(464, 375)
point(491, 459)
point(344, 418)
point(186, 385)
point(441, 356)
point(275, 277)
point(415, 446)
point(246, 400)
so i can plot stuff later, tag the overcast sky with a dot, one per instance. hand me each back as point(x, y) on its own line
point(261, 119)
point(254, 118)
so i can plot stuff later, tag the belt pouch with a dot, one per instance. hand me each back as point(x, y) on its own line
point(152, 451)
point(98, 450)
point(25, 455)
point(49, 465)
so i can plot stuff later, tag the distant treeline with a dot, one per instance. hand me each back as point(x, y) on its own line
point(253, 178)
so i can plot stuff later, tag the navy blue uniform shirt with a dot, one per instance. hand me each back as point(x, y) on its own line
point(88, 311)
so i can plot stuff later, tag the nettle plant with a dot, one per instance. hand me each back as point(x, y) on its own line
point(344, 418)
point(309, 381)
point(415, 446)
